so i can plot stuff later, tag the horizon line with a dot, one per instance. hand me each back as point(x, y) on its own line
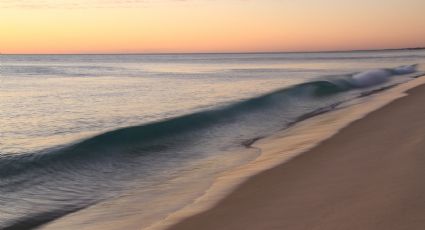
point(200, 53)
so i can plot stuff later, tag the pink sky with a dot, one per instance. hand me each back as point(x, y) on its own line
point(116, 26)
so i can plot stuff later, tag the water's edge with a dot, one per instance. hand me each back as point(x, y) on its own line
point(299, 137)
point(251, 145)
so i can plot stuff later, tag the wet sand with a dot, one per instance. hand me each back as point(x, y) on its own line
point(368, 176)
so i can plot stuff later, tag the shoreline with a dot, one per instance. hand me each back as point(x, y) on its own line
point(273, 156)
point(226, 182)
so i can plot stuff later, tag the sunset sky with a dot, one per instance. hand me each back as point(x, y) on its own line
point(138, 26)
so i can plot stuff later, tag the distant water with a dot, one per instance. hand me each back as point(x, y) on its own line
point(81, 130)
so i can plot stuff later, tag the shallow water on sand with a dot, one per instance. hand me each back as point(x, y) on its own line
point(114, 137)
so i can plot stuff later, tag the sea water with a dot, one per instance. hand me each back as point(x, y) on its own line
point(108, 141)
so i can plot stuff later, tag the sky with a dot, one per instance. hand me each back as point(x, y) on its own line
point(169, 26)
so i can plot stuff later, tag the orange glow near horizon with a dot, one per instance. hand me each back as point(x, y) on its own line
point(113, 26)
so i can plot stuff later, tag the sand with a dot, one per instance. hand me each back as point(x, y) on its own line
point(368, 176)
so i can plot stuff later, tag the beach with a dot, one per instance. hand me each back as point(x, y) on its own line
point(209, 114)
point(148, 163)
point(368, 176)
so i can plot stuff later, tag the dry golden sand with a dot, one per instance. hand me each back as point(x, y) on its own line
point(368, 176)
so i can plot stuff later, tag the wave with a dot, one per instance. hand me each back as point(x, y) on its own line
point(115, 152)
point(143, 136)
point(374, 77)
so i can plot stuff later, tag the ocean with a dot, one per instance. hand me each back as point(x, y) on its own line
point(92, 141)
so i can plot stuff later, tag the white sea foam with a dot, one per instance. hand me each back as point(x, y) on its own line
point(374, 77)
